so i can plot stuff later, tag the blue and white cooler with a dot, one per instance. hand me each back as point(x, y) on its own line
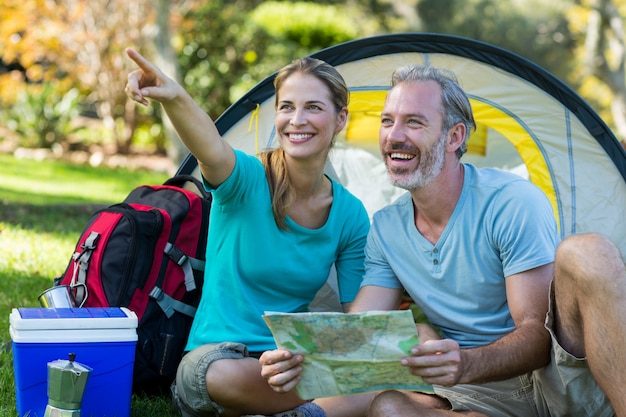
point(102, 338)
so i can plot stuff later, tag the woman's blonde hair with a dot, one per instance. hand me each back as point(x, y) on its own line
point(281, 190)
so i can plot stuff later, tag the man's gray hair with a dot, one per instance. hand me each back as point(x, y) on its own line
point(456, 105)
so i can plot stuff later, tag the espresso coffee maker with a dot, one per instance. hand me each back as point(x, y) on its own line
point(66, 386)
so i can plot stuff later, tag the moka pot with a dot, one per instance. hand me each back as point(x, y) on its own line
point(66, 385)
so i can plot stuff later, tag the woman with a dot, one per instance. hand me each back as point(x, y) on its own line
point(277, 226)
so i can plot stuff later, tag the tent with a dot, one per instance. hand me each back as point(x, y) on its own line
point(529, 122)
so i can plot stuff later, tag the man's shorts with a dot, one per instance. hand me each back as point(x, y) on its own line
point(189, 390)
point(509, 398)
point(563, 388)
point(566, 386)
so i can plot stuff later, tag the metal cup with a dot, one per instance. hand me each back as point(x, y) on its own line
point(61, 296)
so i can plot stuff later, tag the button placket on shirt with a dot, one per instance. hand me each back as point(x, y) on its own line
point(435, 256)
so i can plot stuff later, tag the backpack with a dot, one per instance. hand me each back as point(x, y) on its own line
point(147, 253)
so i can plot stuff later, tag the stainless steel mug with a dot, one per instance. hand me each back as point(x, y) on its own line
point(61, 296)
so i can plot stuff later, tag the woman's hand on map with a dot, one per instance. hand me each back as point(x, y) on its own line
point(149, 82)
point(281, 369)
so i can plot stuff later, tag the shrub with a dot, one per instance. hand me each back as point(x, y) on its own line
point(42, 115)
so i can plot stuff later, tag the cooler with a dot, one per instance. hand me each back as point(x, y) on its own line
point(102, 338)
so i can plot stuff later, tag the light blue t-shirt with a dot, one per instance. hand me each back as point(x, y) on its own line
point(501, 225)
point(253, 266)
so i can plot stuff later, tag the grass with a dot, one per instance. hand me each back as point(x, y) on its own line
point(44, 206)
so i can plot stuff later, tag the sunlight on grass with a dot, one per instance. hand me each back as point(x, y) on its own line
point(53, 182)
point(36, 253)
point(77, 189)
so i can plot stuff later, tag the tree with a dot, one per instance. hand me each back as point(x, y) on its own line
point(510, 25)
point(579, 41)
point(78, 43)
point(600, 23)
point(167, 60)
point(98, 32)
point(229, 46)
point(222, 47)
point(40, 102)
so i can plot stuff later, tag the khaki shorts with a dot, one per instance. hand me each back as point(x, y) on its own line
point(509, 398)
point(563, 388)
point(566, 386)
point(189, 390)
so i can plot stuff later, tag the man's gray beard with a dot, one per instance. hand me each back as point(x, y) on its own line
point(431, 164)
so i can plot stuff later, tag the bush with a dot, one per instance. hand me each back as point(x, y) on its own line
point(42, 115)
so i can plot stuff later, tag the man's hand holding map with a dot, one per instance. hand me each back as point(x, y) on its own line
point(349, 353)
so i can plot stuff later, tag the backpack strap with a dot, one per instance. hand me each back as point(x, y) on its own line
point(186, 262)
point(81, 263)
point(169, 305)
point(182, 179)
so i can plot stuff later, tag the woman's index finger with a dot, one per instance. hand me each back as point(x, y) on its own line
point(142, 62)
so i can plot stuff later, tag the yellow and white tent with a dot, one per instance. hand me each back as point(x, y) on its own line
point(529, 122)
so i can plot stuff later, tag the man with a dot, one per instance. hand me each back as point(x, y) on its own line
point(475, 249)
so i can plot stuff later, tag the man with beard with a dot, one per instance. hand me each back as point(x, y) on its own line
point(523, 328)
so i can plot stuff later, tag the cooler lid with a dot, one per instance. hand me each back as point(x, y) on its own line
point(89, 318)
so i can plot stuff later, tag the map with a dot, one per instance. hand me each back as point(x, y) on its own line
point(349, 353)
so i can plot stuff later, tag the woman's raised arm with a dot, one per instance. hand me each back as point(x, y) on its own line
point(197, 131)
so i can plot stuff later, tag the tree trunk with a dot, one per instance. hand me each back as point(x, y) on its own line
point(167, 60)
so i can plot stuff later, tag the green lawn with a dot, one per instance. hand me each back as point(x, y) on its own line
point(43, 208)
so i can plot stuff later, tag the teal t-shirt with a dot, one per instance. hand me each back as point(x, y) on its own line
point(253, 266)
point(502, 225)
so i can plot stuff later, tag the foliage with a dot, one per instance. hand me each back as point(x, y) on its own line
point(510, 25)
point(239, 43)
point(301, 28)
point(96, 35)
point(223, 50)
point(225, 47)
point(43, 116)
point(220, 53)
point(600, 65)
point(31, 34)
point(80, 42)
point(43, 210)
point(322, 27)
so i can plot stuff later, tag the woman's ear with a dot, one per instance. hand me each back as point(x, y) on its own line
point(342, 119)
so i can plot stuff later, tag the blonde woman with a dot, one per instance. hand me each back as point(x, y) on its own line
point(278, 224)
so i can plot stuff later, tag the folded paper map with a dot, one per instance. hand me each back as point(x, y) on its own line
point(349, 353)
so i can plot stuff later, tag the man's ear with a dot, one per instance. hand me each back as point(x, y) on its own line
point(456, 136)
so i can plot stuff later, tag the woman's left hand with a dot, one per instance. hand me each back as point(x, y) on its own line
point(281, 369)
